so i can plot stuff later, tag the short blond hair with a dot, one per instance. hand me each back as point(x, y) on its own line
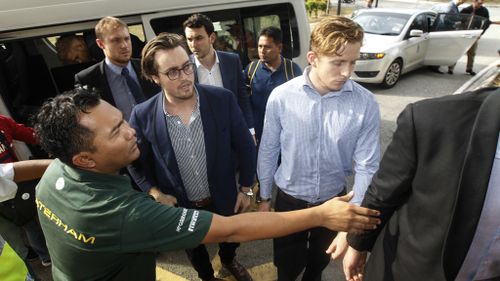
point(330, 36)
point(108, 24)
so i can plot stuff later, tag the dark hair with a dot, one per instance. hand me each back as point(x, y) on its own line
point(199, 20)
point(164, 41)
point(57, 124)
point(272, 32)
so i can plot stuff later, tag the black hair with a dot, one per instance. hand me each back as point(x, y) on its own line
point(57, 124)
point(199, 20)
point(272, 32)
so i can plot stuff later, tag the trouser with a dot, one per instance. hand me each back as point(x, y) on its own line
point(12, 233)
point(302, 250)
point(471, 54)
point(200, 258)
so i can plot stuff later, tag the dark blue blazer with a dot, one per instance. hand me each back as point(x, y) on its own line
point(95, 77)
point(234, 81)
point(224, 130)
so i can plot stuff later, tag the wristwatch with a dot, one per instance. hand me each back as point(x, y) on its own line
point(248, 193)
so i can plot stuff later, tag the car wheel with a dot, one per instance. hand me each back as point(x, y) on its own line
point(392, 75)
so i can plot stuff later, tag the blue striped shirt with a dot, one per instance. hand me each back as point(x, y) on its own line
point(319, 138)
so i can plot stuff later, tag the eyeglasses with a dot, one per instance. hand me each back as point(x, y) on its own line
point(174, 73)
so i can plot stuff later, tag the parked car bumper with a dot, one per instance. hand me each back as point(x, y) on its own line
point(370, 71)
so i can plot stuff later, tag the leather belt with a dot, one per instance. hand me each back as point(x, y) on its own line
point(202, 202)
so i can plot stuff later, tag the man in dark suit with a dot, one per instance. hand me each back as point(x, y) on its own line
point(118, 77)
point(437, 189)
point(216, 68)
point(187, 135)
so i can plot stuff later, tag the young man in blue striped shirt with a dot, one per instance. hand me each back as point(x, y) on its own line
point(321, 123)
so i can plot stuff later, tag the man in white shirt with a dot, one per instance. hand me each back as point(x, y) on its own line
point(216, 68)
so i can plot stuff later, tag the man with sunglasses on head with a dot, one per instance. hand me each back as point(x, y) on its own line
point(187, 134)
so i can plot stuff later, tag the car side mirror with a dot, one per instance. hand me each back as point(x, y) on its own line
point(416, 33)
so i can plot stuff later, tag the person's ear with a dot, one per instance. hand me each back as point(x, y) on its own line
point(83, 160)
point(212, 37)
point(156, 79)
point(100, 43)
point(312, 58)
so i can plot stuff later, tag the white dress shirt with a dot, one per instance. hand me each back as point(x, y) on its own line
point(8, 187)
point(211, 76)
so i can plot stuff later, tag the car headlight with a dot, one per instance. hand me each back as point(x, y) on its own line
point(371, 56)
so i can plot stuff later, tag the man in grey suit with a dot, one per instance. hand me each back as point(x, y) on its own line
point(438, 190)
point(118, 76)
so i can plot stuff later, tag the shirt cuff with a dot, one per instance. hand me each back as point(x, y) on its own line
point(265, 193)
point(252, 131)
point(8, 188)
point(7, 171)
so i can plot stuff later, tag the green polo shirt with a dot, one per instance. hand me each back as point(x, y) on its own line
point(98, 228)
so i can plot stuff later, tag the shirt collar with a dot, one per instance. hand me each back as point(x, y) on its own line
point(282, 65)
point(115, 69)
point(195, 109)
point(198, 64)
point(307, 84)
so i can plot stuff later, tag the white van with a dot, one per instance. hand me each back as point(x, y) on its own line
point(31, 71)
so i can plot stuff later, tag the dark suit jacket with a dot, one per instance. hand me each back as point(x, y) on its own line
point(224, 130)
point(234, 81)
point(431, 186)
point(95, 77)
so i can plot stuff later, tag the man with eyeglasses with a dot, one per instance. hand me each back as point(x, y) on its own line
point(187, 135)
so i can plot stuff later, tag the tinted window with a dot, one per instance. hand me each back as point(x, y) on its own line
point(237, 29)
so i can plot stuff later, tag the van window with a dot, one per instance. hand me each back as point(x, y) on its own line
point(237, 29)
point(254, 25)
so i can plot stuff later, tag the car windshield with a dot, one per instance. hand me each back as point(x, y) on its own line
point(382, 23)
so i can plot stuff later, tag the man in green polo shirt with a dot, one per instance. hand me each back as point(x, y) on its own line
point(99, 228)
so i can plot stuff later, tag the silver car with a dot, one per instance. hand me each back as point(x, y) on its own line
point(400, 40)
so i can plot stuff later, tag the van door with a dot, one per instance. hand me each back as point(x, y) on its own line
point(238, 25)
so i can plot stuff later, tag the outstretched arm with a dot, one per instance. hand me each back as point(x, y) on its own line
point(30, 169)
point(336, 214)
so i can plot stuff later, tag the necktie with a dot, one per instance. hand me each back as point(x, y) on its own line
point(133, 87)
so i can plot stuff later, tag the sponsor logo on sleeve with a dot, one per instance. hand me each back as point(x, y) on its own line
point(194, 219)
point(182, 219)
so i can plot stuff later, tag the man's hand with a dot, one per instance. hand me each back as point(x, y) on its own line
point(264, 206)
point(354, 264)
point(242, 203)
point(339, 246)
point(162, 198)
point(339, 215)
